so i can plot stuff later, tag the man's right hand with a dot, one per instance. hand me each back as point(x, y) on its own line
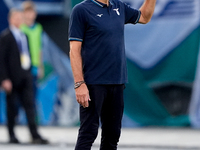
point(7, 85)
point(82, 95)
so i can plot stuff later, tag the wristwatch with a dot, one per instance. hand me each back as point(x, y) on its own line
point(78, 84)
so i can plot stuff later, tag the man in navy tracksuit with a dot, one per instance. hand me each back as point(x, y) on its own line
point(98, 61)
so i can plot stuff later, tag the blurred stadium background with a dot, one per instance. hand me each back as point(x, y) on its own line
point(162, 57)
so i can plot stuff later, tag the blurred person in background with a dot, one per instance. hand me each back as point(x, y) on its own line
point(33, 31)
point(15, 76)
point(97, 54)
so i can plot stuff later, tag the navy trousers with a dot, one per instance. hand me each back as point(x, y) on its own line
point(106, 105)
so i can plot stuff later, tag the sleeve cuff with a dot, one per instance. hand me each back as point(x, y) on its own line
point(75, 39)
point(139, 14)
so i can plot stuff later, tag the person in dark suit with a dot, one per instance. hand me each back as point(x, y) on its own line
point(15, 76)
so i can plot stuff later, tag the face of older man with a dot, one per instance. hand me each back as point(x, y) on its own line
point(16, 19)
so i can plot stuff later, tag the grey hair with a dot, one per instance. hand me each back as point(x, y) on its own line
point(12, 11)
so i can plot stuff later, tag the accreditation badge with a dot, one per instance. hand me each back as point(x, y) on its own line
point(25, 61)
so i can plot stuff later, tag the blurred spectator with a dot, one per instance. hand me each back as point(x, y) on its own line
point(15, 76)
point(33, 31)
